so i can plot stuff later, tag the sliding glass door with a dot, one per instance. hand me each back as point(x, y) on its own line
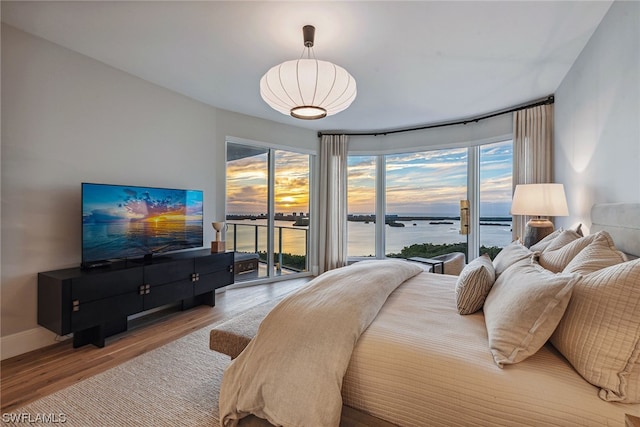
point(291, 220)
point(267, 206)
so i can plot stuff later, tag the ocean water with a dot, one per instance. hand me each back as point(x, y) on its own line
point(362, 236)
point(104, 241)
point(288, 239)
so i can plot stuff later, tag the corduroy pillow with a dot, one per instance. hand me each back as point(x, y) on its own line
point(542, 244)
point(473, 285)
point(556, 260)
point(599, 254)
point(600, 331)
point(565, 237)
point(523, 309)
point(510, 255)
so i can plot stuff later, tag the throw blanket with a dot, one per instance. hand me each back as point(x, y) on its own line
point(291, 372)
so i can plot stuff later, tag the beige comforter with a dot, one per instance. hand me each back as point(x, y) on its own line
point(420, 363)
point(288, 378)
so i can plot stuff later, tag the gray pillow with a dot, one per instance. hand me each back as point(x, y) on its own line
point(522, 310)
point(473, 285)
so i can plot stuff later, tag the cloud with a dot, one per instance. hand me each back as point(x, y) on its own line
point(247, 181)
point(428, 181)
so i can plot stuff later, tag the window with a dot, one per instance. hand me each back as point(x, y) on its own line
point(423, 193)
point(496, 170)
point(419, 198)
point(361, 206)
point(268, 209)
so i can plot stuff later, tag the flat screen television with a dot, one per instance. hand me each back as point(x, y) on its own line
point(124, 221)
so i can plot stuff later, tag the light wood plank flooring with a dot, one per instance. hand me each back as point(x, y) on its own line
point(30, 376)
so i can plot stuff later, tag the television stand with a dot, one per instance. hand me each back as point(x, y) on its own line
point(95, 264)
point(94, 304)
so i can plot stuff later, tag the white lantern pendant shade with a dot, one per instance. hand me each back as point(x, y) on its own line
point(308, 88)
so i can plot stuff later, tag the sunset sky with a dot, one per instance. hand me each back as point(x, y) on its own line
point(122, 203)
point(433, 182)
point(427, 183)
point(247, 184)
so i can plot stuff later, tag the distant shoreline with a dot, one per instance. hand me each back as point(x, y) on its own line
point(484, 220)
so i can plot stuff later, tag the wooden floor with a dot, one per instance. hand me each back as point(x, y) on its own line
point(30, 376)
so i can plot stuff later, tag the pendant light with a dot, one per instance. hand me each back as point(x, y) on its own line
point(307, 88)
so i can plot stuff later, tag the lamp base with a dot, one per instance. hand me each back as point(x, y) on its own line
point(536, 230)
point(217, 246)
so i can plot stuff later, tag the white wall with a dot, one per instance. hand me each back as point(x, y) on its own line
point(499, 128)
point(69, 119)
point(597, 118)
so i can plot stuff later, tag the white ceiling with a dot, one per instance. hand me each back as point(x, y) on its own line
point(415, 63)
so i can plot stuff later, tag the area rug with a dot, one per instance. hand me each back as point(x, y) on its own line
point(174, 385)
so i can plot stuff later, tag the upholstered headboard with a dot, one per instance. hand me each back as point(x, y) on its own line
point(622, 222)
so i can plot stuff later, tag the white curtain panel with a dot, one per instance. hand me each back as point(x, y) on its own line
point(332, 239)
point(532, 152)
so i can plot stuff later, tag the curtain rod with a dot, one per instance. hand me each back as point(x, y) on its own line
point(548, 100)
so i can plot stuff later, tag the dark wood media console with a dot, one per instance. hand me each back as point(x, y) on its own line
point(94, 304)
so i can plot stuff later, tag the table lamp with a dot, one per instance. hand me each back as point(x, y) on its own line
point(218, 244)
point(541, 201)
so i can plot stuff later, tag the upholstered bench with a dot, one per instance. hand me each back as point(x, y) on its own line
point(232, 336)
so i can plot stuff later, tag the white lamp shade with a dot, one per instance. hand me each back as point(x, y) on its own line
point(308, 88)
point(539, 200)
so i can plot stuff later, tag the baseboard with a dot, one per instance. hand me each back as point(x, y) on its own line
point(25, 341)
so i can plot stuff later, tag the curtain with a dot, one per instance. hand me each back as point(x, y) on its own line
point(532, 152)
point(332, 239)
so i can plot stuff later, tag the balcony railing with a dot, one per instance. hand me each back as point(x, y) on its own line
point(291, 243)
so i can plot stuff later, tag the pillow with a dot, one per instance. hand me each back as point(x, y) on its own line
point(509, 255)
point(600, 331)
point(523, 309)
point(556, 260)
point(474, 283)
point(565, 237)
point(542, 244)
point(599, 254)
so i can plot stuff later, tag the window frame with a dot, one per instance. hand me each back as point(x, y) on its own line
point(312, 230)
point(473, 191)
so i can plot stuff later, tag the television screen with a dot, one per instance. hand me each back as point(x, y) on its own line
point(120, 221)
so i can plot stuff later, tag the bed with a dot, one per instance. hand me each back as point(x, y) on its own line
point(419, 362)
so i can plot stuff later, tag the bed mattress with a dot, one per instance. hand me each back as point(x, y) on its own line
point(420, 363)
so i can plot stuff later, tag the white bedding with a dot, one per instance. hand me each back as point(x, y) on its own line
point(291, 372)
point(420, 363)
